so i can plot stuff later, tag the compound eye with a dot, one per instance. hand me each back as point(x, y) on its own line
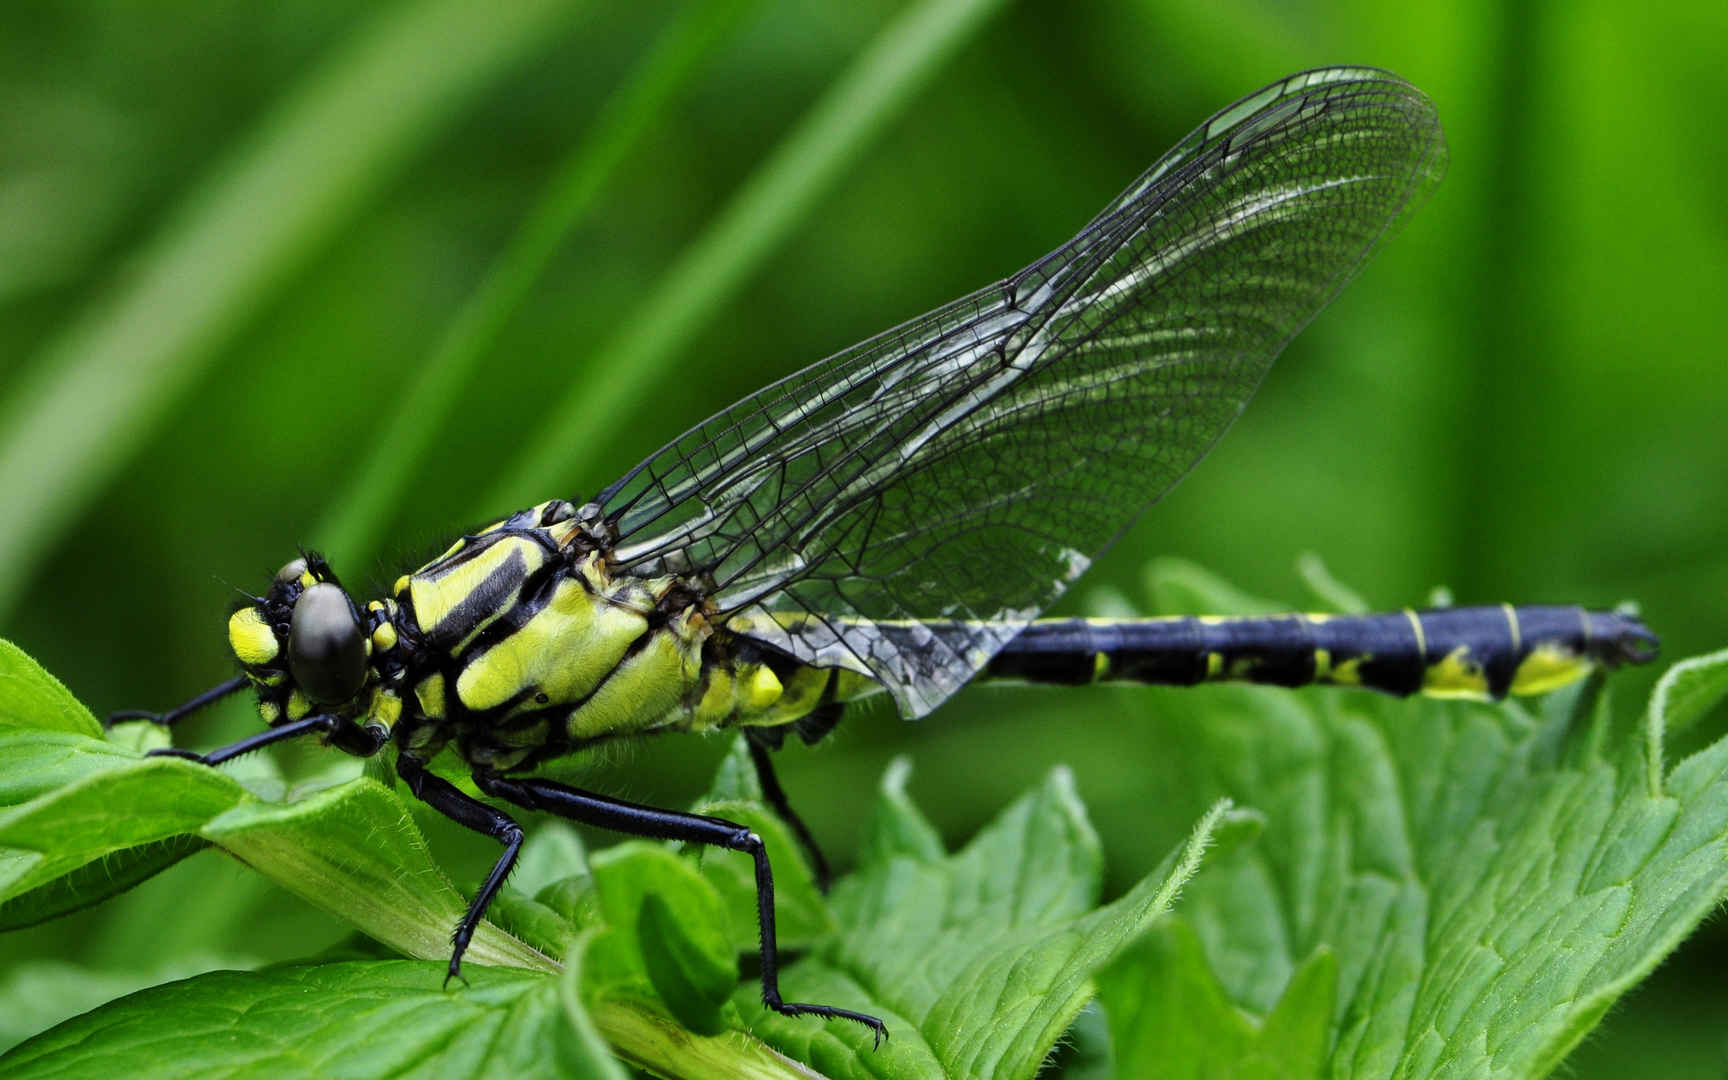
point(291, 571)
point(326, 651)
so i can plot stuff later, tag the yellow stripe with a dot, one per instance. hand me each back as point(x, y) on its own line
point(439, 591)
point(1421, 638)
point(1455, 675)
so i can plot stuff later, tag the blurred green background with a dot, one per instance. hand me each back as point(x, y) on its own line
point(233, 237)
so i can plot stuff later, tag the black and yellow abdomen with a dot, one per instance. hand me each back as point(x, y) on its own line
point(1472, 652)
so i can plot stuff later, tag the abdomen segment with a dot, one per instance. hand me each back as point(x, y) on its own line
point(1474, 652)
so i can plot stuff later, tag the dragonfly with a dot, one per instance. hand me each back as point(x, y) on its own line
point(893, 520)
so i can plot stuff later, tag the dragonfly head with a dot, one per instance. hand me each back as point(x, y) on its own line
point(303, 643)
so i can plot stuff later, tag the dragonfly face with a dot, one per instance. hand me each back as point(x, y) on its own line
point(303, 644)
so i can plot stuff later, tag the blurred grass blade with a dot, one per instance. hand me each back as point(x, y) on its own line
point(98, 389)
point(356, 520)
point(760, 216)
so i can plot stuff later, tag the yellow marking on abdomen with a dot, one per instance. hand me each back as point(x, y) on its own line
point(1548, 667)
point(1349, 673)
point(1456, 676)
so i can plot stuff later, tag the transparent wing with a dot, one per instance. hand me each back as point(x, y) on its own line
point(904, 507)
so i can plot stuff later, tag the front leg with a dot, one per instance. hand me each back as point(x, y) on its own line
point(635, 819)
point(447, 799)
point(209, 697)
point(361, 741)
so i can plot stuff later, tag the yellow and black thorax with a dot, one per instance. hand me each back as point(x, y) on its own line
point(521, 642)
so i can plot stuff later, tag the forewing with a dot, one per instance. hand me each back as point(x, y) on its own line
point(904, 507)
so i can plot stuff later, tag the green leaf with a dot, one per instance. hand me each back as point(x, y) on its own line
point(1181, 587)
point(367, 1018)
point(34, 996)
point(92, 882)
point(32, 698)
point(977, 961)
point(735, 778)
point(690, 977)
point(539, 926)
point(898, 830)
point(665, 934)
point(581, 1047)
point(1488, 881)
point(1684, 694)
point(88, 819)
point(1332, 594)
point(354, 851)
point(660, 1046)
point(1169, 1015)
point(116, 802)
point(1432, 888)
point(801, 911)
point(35, 762)
point(553, 851)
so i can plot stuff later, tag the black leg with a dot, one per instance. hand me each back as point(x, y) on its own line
point(776, 796)
point(637, 820)
point(342, 734)
point(214, 694)
point(293, 730)
point(447, 799)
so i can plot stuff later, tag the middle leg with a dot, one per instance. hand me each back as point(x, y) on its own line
point(638, 820)
point(761, 757)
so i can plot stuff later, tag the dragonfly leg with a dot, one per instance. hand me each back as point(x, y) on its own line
point(763, 760)
point(447, 799)
point(635, 819)
point(211, 696)
point(321, 723)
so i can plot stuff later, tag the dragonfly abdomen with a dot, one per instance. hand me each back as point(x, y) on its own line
point(1472, 652)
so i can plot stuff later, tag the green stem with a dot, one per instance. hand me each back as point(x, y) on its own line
point(759, 218)
point(356, 521)
point(98, 390)
point(662, 1047)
